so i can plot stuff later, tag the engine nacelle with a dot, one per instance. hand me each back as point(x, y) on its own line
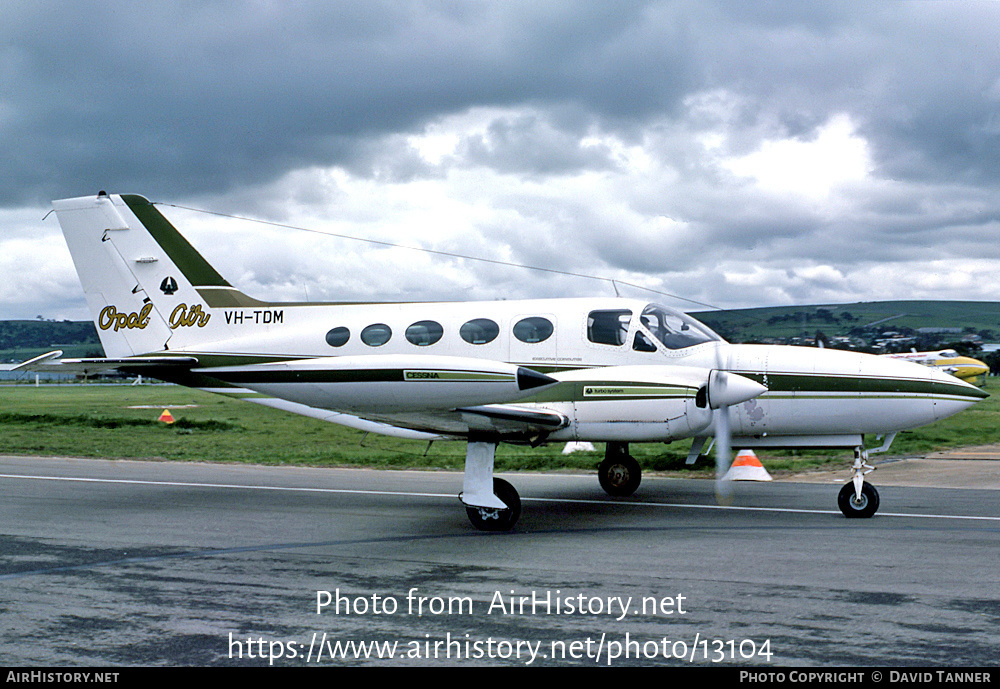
point(646, 403)
point(386, 384)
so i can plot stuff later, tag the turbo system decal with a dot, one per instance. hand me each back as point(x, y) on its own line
point(110, 317)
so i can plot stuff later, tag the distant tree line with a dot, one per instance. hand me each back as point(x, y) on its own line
point(41, 333)
point(817, 315)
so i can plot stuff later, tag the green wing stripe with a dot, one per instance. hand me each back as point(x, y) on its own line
point(358, 376)
point(418, 375)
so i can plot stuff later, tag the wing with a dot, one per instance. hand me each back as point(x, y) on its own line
point(428, 397)
point(416, 397)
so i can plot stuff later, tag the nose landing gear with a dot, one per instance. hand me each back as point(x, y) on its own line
point(859, 499)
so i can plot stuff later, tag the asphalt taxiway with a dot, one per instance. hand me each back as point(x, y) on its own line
point(116, 563)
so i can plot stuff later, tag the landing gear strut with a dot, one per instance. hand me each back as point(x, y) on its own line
point(491, 503)
point(858, 498)
point(619, 473)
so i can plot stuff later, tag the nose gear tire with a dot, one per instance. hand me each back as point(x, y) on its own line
point(852, 507)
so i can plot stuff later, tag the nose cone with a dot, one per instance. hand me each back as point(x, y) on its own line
point(920, 394)
point(726, 389)
point(816, 392)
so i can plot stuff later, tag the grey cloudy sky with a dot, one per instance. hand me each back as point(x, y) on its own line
point(738, 154)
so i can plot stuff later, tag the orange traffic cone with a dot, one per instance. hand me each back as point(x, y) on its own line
point(746, 467)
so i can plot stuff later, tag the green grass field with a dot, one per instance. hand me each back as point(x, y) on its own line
point(121, 422)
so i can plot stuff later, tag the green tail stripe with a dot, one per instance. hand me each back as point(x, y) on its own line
point(196, 269)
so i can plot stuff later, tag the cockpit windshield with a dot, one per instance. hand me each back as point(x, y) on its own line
point(673, 329)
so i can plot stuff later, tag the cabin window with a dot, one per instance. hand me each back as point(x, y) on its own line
point(376, 335)
point(479, 331)
point(534, 329)
point(424, 333)
point(338, 337)
point(608, 327)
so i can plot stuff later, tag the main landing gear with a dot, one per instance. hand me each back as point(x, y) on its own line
point(492, 504)
point(495, 518)
point(619, 473)
point(858, 499)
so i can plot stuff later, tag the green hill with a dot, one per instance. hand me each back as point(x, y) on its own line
point(20, 340)
point(954, 318)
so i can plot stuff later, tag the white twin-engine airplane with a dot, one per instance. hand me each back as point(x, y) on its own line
point(611, 370)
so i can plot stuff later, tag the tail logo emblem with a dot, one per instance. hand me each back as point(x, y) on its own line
point(168, 286)
point(111, 318)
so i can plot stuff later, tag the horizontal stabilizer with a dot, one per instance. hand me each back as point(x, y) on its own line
point(32, 364)
point(100, 365)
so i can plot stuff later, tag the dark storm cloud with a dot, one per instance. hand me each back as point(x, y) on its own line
point(184, 96)
point(177, 97)
point(592, 137)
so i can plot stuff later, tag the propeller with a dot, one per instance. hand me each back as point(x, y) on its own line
point(724, 390)
point(723, 448)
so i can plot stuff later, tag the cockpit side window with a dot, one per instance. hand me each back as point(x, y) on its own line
point(608, 327)
point(673, 329)
point(641, 343)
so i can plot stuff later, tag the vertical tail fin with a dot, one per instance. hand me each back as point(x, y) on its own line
point(147, 288)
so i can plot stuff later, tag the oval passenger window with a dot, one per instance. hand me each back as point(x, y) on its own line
point(376, 335)
point(423, 333)
point(479, 331)
point(338, 337)
point(533, 329)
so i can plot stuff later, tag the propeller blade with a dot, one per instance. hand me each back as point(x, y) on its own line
point(723, 450)
point(724, 390)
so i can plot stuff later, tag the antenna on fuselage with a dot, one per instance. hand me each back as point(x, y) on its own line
point(450, 254)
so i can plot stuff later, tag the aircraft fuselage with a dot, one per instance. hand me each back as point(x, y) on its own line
point(814, 397)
